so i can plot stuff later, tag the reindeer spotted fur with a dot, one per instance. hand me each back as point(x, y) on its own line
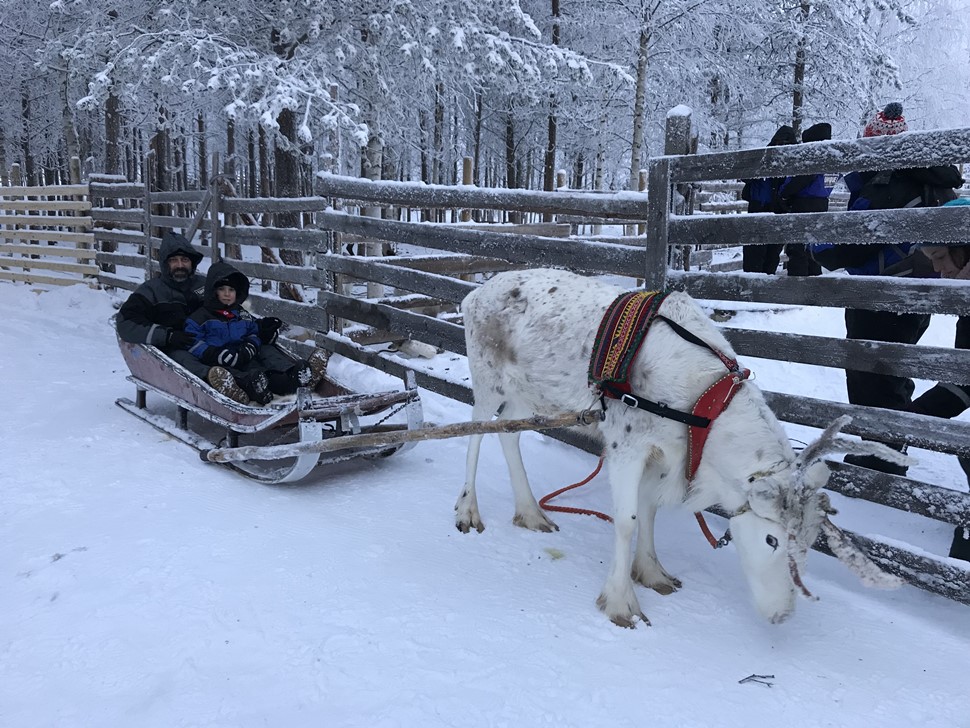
point(529, 336)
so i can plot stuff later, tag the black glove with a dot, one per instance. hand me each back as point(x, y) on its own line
point(179, 340)
point(247, 352)
point(269, 329)
point(222, 356)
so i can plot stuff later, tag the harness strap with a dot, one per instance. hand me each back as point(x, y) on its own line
point(657, 408)
point(731, 364)
point(711, 403)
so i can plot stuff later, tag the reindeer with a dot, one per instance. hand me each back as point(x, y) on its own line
point(529, 338)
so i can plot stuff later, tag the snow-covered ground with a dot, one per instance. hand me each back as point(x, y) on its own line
point(144, 588)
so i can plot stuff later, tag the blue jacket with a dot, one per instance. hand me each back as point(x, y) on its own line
point(214, 325)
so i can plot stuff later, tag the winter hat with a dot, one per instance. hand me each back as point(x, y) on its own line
point(887, 122)
point(175, 244)
point(817, 133)
point(784, 135)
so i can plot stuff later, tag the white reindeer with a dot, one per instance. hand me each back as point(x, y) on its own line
point(529, 336)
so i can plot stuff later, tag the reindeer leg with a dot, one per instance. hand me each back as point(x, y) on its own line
point(528, 514)
point(647, 569)
point(467, 516)
point(618, 599)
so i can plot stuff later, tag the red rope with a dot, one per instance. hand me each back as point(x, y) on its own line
point(544, 501)
point(705, 530)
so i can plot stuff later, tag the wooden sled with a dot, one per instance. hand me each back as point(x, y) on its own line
point(283, 431)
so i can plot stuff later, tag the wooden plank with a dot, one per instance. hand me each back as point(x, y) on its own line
point(48, 191)
point(110, 214)
point(533, 250)
point(107, 280)
point(396, 366)
point(44, 204)
point(176, 196)
point(441, 334)
point(269, 272)
point(920, 570)
point(546, 229)
point(46, 280)
point(308, 241)
point(48, 235)
point(874, 293)
point(903, 360)
point(904, 494)
point(308, 316)
point(368, 269)
point(127, 261)
point(902, 428)
point(125, 237)
point(82, 221)
point(913, 149)
point(452, 264)
point(919, 224)
point(410, 194)
point(50, 265)
point(117, 190)
point(45, 250)
point(167, 221)
point(527, 249)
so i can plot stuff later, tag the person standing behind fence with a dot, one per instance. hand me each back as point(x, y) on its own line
point(760, 195)
point(949, 400)
point(888, 189)
point(804, 193)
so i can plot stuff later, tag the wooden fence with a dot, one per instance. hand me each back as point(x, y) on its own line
point(45, 235)
point(304, 276)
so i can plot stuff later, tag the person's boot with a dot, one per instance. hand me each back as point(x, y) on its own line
point(223, 382)
point(318, 366)
point(256, 385)
point(960, 548)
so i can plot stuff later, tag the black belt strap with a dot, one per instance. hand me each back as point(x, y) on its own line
point(657, 408)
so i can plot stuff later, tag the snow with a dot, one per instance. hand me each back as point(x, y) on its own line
point(143, 587)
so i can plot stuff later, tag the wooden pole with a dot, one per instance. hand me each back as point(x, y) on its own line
point(214, 223)
point(468, 180)
point(395, 437)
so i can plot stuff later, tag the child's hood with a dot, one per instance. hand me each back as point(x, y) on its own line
point(221, 273)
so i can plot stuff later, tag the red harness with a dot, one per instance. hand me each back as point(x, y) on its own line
point(618, 341)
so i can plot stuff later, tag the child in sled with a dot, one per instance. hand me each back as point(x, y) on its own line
point(244, 364)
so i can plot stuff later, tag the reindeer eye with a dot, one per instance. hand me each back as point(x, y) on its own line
point(771, 541)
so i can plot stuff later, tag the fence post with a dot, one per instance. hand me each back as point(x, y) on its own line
point(466, 179)
point(147, 206)
point(658, 220)
point(214, 205)
point(680, 139)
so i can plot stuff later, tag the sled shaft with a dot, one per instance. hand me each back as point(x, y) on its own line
point(371, 439)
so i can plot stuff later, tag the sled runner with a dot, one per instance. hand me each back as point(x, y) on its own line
point(281, 433)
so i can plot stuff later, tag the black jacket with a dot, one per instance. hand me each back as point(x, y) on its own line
point(161, 304)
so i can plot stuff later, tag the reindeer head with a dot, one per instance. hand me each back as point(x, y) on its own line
point(785, 512)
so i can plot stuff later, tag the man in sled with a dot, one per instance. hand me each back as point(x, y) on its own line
point(155, 312)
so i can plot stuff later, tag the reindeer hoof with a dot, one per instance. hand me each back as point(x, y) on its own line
point(537, 521)
point(623, 618)
point(662, 582)
point(467, 526)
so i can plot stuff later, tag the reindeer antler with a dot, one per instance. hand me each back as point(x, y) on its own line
point(856, 559)
point(830, 442)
